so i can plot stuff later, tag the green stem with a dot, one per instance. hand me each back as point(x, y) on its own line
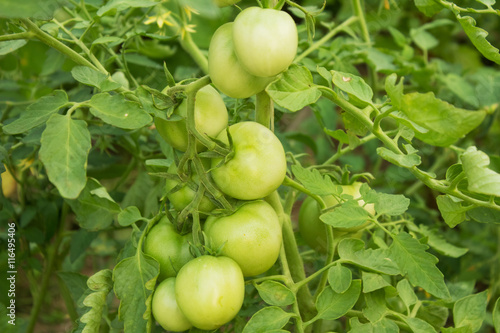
point(326, 38)
point(52, 256)
point(194, 51)
point(264, 110)
point(21, 35)
point(292, 183)
point(54, 43)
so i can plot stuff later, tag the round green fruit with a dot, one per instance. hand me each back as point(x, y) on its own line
point(258, 166)
point(165, 309)
point(251, 236)
point(209, 291)
point(225, 70)
point(168, 247)
point(265, 40)
point(210, 115)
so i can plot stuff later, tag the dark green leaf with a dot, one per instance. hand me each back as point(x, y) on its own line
point(65, 146)
point(452, 211)
point(481, 179)
point(37, 113)
point(353, 251)
point(374, 281)
point(29, 8)
point(267, 319)
point(418, 325)
point(359, 92)
point(428, 7)
point(478, 38)
point(118, 5)
point(406, 293)
point(332, 305)
point(470, 311)
point(339, 278)
point(275, 293)
point(496, 315)
point(314, 181)
point(117, 111)
point(129, 215)
point(91, 77)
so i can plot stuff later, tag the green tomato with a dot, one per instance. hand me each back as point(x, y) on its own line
point(165, 309)
point(313, 230)
point(210, 115)
point(209, 291)
point(258, 166)
point(168, 247)
point(265, 40)
point(225, 3)
point(251, 236)
point(226, 72)
point(185, 195)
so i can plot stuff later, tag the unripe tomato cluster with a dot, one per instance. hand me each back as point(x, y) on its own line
point(206, 292)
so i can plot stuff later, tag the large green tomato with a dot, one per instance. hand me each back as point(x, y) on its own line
point(313, 230)
point(258, 166)
point(185, 195)
point(226, 72)
point(251, 236)
point(168, 247)
point(165, 309)
point(210, 116)
point(209, 291)
point(265, 40)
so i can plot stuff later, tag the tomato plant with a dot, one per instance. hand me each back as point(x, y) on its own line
point(209, 291)
point(251, 236)
point(257, 167)
point(165, 309)
point(226, 144)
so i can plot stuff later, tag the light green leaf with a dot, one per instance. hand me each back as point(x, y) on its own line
point(93, 78)
point(94, 208)
point(376, 306)
point(478, 38)
point(463, 329)
point(294, 89)
point(446, 123)
point(37, 113)
point(462, 89)
point(471, 311)
point(481, 179)
point(267, 319)
point(419, 265)
point(275, 293)
point(65, 146)
point(314, 181)
point(394, 91)
point(382, 62)
point(373, 281)
point(108, 40)
point(406, 293)
point(496, 315)
point(452, 211)
point(359, 92)
point(76, 286)
point(439, 243)
point(484, 215)
point(388, 204)
point(129, 215)
point(332, 305)
point(117, 111)
point(406, 161)
point(349, 214)
point(428, 7)
point(135, 280)
point(418, 325)
point(353, 251)
point(11, 45)
point(339, 278)
point(101, 284)
point(118, 5)
point(423, 39)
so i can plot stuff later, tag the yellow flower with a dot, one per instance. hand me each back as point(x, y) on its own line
point(160, 19)
point(190, 10)
point(187, 28)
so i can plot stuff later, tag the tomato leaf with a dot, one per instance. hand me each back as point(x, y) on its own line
point(314, 181)
point(43, 10)
point(374, 281)
point(452, 211)
point(348, 215)
point(267, 319)
point(359, 92)
point(91, 77)
point(496, 315)
point(294, 89)
point(388, 204)
point(406, 293)
point(407, 161)
point(481, 179)
point(94, 208)
point(275, 293)
point(444, 122)
point(65, 146)
point(100, 284)
point(332, 305)
point(418, 325)
point(118, 5)
point(478, 38)
point(37, 113)
point(11, 45)
point(428, 7)
point(129, 215)
point(339, 278)
point(471, 311)
point(438, 242)
point(135, 279)
point(353, 251)
point(117, 111)
point(419, 265)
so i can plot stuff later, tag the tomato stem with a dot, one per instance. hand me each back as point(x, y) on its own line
point(264, 110)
